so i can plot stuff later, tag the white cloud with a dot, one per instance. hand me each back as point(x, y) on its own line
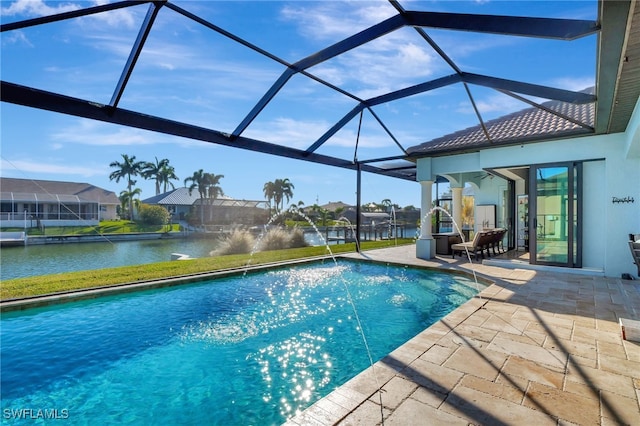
point(16, 37)
point(37, 8)
point(575, 84)
point(95, 133)
point(289, 132)
point(498, 103)
point(50, 167)
point(301, 134)
point(332, 20)
point(391, 62)
point(88, 132)
point(114, 18)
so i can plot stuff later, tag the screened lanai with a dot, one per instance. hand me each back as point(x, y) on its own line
point(376, 83)
point(373, 80)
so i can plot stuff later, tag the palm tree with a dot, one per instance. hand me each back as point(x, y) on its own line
point(269, 190)
point(161, 172)
point(386, 203)
point(167, 173)
point(277, 191)
point(127, 198)
point(128, 168)
point(208, 186)
point(198, 181)
point(283, 189)
point(214, 190)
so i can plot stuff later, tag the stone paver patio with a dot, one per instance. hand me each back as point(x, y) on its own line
point(534, 348)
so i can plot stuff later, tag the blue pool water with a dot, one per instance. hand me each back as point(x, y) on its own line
point(239, 350)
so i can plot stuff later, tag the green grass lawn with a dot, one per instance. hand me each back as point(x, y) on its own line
point(49, 284)
point(107, 227)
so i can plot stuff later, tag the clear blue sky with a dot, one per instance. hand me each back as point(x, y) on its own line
point(189, 73)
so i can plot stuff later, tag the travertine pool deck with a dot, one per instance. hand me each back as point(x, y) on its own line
point(535, 348)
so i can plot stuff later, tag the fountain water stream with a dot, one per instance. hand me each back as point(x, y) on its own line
point(350, 300)
point(395, 225)
point(457, 229)
point(353, 232)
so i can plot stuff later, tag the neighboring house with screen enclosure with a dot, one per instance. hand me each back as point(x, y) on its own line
point(33, 203)
point(219, 211)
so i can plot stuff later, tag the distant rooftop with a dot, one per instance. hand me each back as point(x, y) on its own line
point(33, 190)
point(181, 197)
point(177, 197)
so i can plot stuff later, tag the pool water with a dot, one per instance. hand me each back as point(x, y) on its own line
point(251, 349)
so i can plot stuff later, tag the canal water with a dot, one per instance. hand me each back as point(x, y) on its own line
point(32, 260)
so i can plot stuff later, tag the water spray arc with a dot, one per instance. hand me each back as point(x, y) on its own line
point(424, 222)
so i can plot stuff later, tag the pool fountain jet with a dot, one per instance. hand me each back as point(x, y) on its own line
point(395, 225)
point(353, 232)
point(457, 229)
point(295, 210)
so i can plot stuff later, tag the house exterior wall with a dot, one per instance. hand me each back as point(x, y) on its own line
point(611, 171)
point(108, 212)
point(53, 214)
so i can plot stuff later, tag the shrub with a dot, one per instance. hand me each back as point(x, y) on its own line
point(238, 242)
point(243, 242)
point(274, 239)
point(153, 215)
point(296, 238)
point(278, 239)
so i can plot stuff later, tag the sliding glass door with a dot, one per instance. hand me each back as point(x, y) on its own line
point(554, 220)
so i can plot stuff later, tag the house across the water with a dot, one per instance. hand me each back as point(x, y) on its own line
point(30, 203)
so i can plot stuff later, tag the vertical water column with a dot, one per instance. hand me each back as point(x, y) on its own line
point(456, 206)
point(426, 245)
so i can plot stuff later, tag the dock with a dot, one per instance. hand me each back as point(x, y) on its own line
point(13, 239)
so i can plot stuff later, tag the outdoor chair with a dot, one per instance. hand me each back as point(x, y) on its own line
point(496, 243)
point(481, 241)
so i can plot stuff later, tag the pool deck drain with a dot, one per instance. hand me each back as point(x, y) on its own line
point(536, 347)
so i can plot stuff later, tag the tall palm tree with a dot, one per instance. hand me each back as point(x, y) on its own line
point(208, 186)
point(160, 171)
point(283, 189)
point(277, 191)
point(128, 168)
point(269, 190)
point(214, 190)
point(167, 173)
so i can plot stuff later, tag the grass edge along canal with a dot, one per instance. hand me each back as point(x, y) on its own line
point(97, 278)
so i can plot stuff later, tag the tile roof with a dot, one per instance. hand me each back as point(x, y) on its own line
point(53, 191)
point(527, 125)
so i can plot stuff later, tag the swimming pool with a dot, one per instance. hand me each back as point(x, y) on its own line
point(242, 350)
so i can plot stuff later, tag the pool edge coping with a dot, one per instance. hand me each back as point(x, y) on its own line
point(30, 302)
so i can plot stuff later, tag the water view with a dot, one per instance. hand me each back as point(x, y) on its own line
point(234, 351)
point(32, 260)
point(47, 259)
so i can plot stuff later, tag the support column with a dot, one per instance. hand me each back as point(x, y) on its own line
point(426, 245)
point(456, 207)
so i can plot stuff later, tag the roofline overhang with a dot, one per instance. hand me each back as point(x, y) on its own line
point(441, 152)
point(611, 43)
